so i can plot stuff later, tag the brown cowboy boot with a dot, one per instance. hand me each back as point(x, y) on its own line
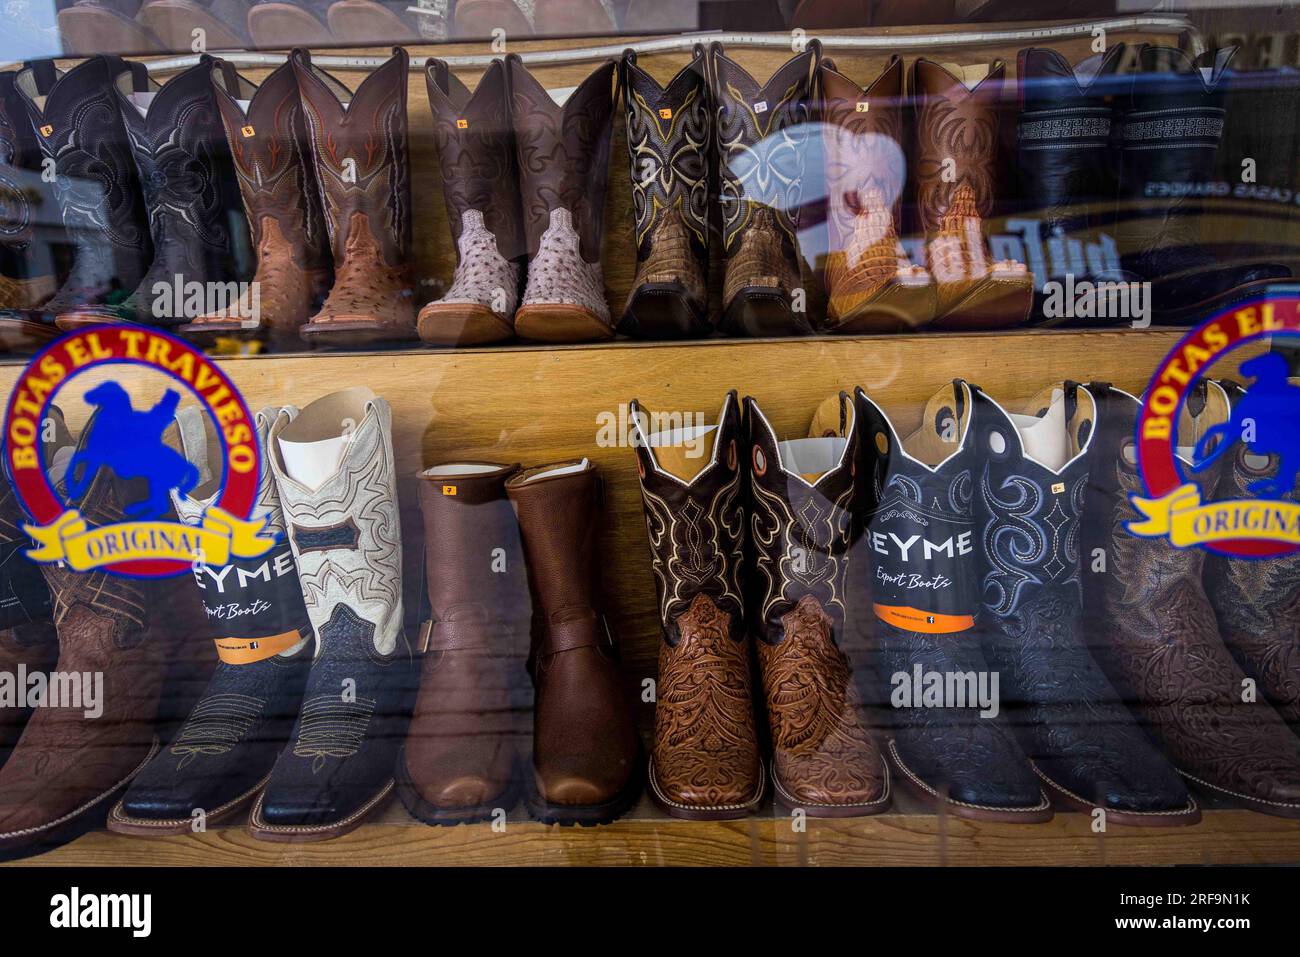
point(359, 147)
point(586, 766)
point(706, 764)
point(26, 280)
point(801, 517)
point(956, 124)
point(480, 182)
point(459, 762)
point(871, 286)
point(563, 165)
point(267, 137)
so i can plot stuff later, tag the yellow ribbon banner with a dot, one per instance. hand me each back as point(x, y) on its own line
point(215, 542)
point(1182, 517)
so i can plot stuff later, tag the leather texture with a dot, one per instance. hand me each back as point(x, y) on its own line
point(585, 746)
point(359, 149)
point(706, 761)
point(24, 282)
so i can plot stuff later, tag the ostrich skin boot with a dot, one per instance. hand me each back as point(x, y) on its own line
point(480, 184)
point(25, 280)
point(333, 466)
point(763, 134)
point(1257, 601)
point(223, 752)
point(1170, 136)
point(1153, 630)
point(563, 167)
point(460, 762)
point(268, 142)
point(802, 522)
point(871, 286)
point(668, 141)
point(359, 148)
point(956, 125)
point(1029, 500)
point(706, 763)
point(918, 535)
point(586, 753)
point(190, 190)
point(1064, 155)
point(79, 128)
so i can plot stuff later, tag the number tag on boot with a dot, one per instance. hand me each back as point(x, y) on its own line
point(247, 131)
point(760, 106)
point(863, 106)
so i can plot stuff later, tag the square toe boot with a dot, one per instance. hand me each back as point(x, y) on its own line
point(706, 763)
point(358, 143)
point(460, 761)
point(1029, 499)
point(333, 467)
point(1153, 630)
point(268, 142)
point(563, 169)
point(224, 750)
point(586, 752)
point(801, 506)
point(919, 539)
point(480, 186)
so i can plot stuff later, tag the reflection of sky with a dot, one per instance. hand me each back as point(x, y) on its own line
point(30, 30)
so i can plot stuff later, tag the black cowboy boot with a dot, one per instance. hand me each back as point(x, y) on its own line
point(669, 137)
point(919, 543)
point(79, 127)
point(195, 213)
point(1029, 498)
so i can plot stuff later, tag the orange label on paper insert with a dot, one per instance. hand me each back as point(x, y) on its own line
point(924, 622)
point(245, 651)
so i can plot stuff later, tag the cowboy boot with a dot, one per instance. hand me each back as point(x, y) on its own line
point(801, 520)
point(871, 286)
point(359, 147)
point(26, 276)
point(223, 752)
point(1170, 135)
point(370, 22)
point(705, 764)
point(333, 466)
point(586, 752)
point(189, 187)
point(1153, 630)
point(563, 166)
point(459, 762)
point(924, 567)
point(1068, 177)
point(762, 134)
point(480, 183)
point(283, 24)
point(956, 122)
point(1073, 726)
point(477, 19)
point(668, 143)
point(1257, 602)
point(80, 129)
point(267, 138)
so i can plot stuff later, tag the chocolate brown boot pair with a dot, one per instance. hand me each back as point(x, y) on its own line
point(463, 757)
point(701, 485)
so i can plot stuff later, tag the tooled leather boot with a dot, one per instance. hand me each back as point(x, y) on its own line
point(563, 167)
point(706, 763)
point(480, 184)
point(1257, 602)
point(762, 132)
point(956, 125)
point(223, 752)
point(586, 753)
point(919, 539)
point(1029, 500)
point(669, 138)
point(1153, 630)
point(871, 285)
point(333, 466)
point(25, 280)
point(268, 142)
point(801, 507)
point(460, 761)
point(1170, 134)
point(189, 187)
point(359, 148)
point(79, 127)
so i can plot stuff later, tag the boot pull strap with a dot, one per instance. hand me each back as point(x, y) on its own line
point(45, 73)
point(440, 73)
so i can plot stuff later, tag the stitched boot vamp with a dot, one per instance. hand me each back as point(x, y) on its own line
point(34, 648)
